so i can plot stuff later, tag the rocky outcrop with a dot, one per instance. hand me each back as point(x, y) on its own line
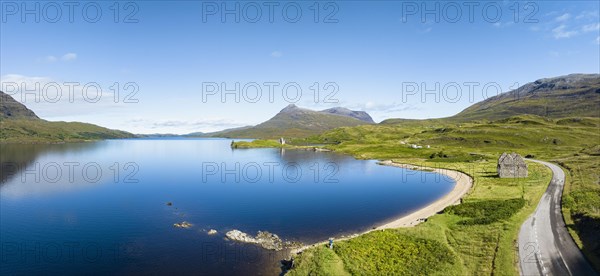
point(264, 239)
point(11, 109)
point(184, 224)
point(237, 235)
point(511, 166)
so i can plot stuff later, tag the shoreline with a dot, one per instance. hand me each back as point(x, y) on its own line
point(463, 184)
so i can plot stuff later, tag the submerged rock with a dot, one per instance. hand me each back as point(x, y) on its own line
point(184, 224)
point(265, 239)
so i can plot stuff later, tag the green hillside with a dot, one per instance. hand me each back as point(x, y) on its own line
point(575, 95)
point(565, 96)
point(18, 124)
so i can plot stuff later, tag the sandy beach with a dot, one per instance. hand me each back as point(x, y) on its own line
point(463, 184)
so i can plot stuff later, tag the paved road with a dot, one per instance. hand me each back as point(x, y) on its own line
point(545, 246)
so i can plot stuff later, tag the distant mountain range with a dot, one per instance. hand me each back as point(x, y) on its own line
point(19, 124)
point(575, 95)
point(293, 121)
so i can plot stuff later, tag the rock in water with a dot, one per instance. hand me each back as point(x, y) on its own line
point(212, 232)
point(184, 224)
point(265, 239)
point(269, 240)
point(240, 236)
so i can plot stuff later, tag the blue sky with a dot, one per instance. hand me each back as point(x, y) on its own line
point(373, 56)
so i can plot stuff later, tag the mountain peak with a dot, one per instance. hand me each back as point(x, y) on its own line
point(290, 108)
point(359, 115)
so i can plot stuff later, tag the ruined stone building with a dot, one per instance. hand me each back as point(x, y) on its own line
point(511, 166)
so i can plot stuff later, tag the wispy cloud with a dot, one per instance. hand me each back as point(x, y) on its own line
point(204, 125)
point(276, 54)
point(562, 32)
point(503, 24)
point(51, 59)
point(590, 27)
point(587, 15)
point(53, 98)
point(65, 57)
point(382, 107)
point(563, 17)
point(69, 57)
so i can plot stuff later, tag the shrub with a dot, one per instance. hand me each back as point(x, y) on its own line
point(486, 211)
point(392, 253)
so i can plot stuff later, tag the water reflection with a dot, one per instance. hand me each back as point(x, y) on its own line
point(300, 195)
point(17, 157)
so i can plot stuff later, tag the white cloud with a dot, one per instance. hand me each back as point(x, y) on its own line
point(51, 59)
point(65, 57)
point(502, 25)
point(562, 32)
point(50, 98)
point(7, 82)
point(563, 17)
point(69, 57)
point(185, 126)
point(590, 28)
point(587, 14)
point(276, 54)
point(382, 107)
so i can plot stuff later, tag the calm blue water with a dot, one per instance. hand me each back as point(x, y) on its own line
point(100, 208)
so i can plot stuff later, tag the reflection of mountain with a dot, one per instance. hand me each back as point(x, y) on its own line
point(308, 156)
point(17, 157)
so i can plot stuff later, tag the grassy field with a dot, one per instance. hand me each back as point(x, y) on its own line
point(479, 246)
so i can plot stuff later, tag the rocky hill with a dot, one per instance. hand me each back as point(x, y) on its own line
point(21, 125)
point(293, 121)
point(575, 95)
point(11, 109)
